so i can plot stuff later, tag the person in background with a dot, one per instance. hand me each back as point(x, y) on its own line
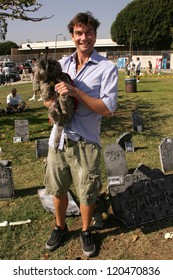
point(15, 102)
point(159, 66)
point(138, 69)
point(35, 83)
point(6, 73)
point(1, 75)
point(127, 66)
point(77, 158)
point(149, 68)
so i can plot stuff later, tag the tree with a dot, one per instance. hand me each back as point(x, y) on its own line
point(5, 48)
point(18, 9)
point(144, 24)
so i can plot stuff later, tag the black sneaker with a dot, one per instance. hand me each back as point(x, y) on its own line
point(56, 237)
point(87, 242)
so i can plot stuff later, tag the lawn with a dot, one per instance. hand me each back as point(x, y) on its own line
point(154, 98)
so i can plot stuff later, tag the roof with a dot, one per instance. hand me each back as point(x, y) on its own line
point(65, 44)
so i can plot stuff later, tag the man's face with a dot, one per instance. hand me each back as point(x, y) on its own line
point(84, 38)
point(13, 92)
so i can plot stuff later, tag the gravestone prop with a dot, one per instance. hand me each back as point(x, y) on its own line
point(17, 139)
point(41, 147)
point(166, 154)
point(21, 130)
point(115, 161)
point(129, 147)
point(124, 138)
point(137, 121)
point(47, 203)
point(6, 180)
point(145, 196)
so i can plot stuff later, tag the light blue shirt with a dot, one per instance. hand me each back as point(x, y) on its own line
point(99, 79)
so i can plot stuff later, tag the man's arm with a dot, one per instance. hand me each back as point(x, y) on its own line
point(94, 104)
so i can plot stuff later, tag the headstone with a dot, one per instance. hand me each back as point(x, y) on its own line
point(47, 203)
point(17, 139)
point(22, 130)
point(6, 180)
point(137, 121)
point(42, 147)
point(145, 196)
point(124, 138)
point(144, 172)
point(166, 154)
point(129, 147)
point(116, 165)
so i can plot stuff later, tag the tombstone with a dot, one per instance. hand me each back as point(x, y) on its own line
point(145, 196)
point(47, 203)
point(42, 147)
point(166, 154)
point(137, 121)
point(21, 130)
point(129, 147)
point(115, 161)
point(124, 138)
point(17, 139)
point(6, 180)
point(144, 172)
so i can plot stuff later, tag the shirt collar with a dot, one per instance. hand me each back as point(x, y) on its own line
point(93, 58)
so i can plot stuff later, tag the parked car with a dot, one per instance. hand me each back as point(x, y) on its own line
point(11, 65)
point(14, 77)
point(24, 65)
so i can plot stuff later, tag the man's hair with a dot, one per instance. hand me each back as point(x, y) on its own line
point(85, 18)
point(14, 90)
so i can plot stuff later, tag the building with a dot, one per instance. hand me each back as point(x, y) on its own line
point(58, 49)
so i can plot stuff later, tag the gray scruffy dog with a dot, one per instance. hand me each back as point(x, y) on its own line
point(49, 72)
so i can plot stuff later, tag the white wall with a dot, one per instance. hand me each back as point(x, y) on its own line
point(171, 61)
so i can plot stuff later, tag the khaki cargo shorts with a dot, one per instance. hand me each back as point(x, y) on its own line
point(78, 163)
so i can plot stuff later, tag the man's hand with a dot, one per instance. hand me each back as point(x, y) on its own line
point(63, 88)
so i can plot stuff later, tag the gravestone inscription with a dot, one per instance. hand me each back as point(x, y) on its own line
point(6, 180)
point(115, 161)
point(22, 130)
point(145, 196)
point(166, 154)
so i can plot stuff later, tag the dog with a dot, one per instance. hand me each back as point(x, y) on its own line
point(48, 72)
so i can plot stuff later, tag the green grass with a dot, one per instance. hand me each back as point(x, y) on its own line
point(154, 98)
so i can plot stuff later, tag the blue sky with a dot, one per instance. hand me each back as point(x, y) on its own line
point(104, 10)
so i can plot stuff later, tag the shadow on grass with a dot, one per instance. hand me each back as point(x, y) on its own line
point(27, 191)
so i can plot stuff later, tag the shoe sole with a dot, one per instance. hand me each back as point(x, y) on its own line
point(54, 247)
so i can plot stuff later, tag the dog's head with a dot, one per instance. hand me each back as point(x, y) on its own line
point(47, 70)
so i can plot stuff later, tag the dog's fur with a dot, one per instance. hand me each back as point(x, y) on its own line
point(49, 72)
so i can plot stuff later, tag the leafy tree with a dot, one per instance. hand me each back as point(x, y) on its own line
point(5, 48)
point(18, 9)
point(145, 24)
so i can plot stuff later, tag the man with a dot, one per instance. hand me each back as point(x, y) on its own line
point(77, 159)
point(15, 102)
point(138, 69)
point(35, 83)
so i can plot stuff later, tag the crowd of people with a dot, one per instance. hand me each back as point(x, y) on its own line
point(133, 68)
